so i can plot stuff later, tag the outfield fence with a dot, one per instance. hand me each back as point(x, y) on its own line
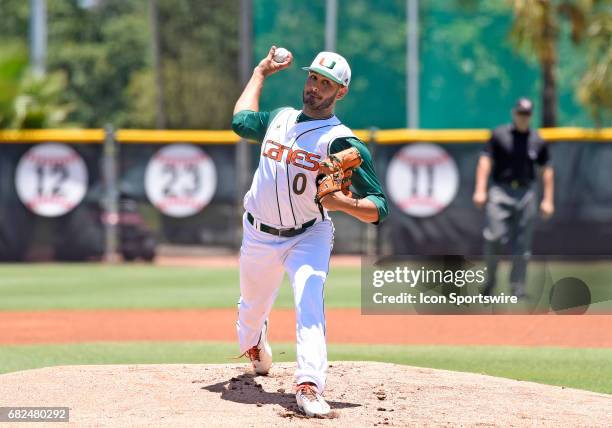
point(95, 192)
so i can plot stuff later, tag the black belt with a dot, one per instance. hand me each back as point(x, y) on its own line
point(287, 233)
point(515, 184)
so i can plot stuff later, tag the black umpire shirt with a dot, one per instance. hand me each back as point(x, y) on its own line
point(514, 155)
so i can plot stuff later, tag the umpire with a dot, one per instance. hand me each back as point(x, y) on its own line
point(510, 158)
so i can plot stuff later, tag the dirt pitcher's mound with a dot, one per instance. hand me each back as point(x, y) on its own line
point(360, 393)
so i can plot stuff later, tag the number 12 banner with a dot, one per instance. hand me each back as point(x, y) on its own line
point(51, 179)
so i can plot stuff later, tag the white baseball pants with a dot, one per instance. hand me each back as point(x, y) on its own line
point(263, 260)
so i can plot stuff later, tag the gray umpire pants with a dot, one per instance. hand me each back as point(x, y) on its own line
point(510, 217)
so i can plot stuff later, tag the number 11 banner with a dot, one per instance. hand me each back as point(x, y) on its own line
point(422, 179)
point(51, 179)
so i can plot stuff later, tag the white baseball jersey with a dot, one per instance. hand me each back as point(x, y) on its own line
point(284, 185)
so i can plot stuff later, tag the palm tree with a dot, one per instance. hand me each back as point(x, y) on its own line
point(28, 101)
point(535, 31)
point(596, 84)
point(13, 62)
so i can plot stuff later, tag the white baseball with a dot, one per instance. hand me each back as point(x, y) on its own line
point(280, 55)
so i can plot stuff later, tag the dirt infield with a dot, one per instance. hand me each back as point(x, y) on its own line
point(343, 326)
point(360, 394)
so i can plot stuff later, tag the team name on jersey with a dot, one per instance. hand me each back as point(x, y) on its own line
point(298, 157)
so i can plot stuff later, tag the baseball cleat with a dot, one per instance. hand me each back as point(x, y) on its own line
point(310, 401)
point(261, 354)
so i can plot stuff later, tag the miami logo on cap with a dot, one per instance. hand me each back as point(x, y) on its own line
point(328, 63)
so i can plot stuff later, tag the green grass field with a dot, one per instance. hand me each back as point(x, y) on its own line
point(96, 286)
point(588, 369)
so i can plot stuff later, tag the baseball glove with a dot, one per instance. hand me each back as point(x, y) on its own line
point(335, 173)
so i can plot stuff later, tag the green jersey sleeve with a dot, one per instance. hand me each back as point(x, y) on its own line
point(253, 125)
point(365, 183)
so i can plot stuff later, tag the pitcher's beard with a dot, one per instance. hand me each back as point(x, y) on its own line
point(311, 101)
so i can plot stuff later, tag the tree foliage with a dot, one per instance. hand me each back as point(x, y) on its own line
point(99, 48)
point(595, 89)
point(469, 73)
point(199, 57)
point(104, 53)
point(536, 30)
point(26, 100)
point(12, 65)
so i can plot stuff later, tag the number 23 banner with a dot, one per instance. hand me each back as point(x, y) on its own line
point(180, 180)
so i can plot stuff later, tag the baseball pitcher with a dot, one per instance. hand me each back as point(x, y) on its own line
point(310, 164)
